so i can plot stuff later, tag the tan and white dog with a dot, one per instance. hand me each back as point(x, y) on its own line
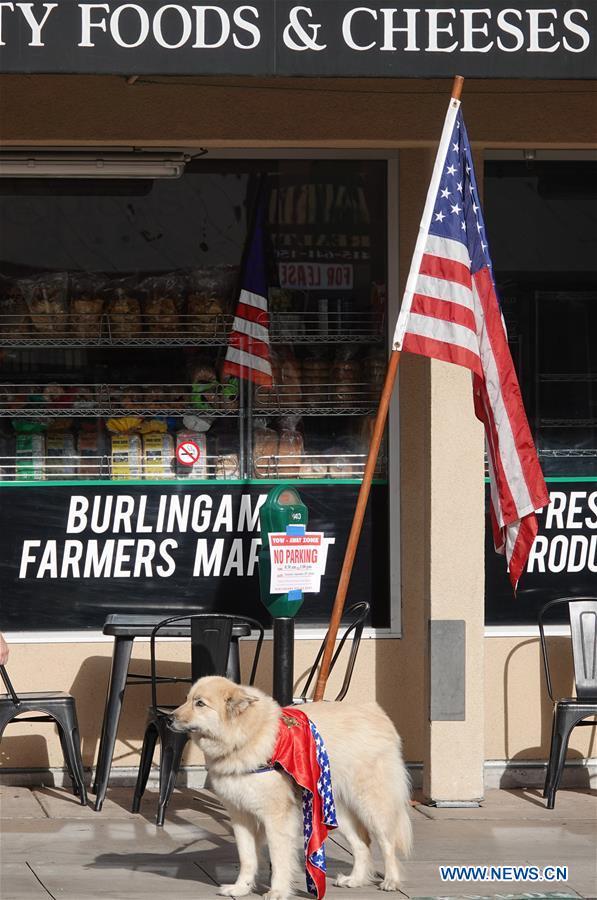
point(236, 728)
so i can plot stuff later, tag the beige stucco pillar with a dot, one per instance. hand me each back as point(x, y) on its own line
point(454, 746)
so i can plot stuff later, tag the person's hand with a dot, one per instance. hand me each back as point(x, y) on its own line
point(4, 651)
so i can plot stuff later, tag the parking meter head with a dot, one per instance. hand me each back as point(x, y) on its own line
point(282, 507)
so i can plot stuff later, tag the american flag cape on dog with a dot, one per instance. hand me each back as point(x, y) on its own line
point(451, 312)
point(300, 751)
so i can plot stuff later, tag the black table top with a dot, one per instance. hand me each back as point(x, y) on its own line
point(134, 625)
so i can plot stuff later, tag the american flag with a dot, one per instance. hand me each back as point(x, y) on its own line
point(450, 311)
point(248, 352)
point(301, 752)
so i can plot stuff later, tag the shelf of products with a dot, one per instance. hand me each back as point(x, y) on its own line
point(151, 460)
point(190, 331)
point(210, 400)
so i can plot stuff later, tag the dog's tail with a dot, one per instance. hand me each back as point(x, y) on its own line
point(402, 783)
point(404, 830)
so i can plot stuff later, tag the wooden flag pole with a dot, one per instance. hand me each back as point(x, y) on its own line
point(364, 491)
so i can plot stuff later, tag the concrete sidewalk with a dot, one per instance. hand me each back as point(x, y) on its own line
point(51, 847)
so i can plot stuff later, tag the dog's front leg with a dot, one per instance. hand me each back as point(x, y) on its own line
point(283, 837)
point(245, 829)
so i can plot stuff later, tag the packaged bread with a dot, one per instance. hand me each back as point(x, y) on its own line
point(61, 457)
point(209, 299)
point(86, 305)
point(90, 449)
point(30, 461)
point(198, 468)
point(205, 315)
point(265, 452)
point(314, 467)
point(346, 376)
point(227, 467)
point(126, 457)
point(13, 309)
point(161, 304)
point(124, 313)
point(158, 456)
point(286, 382)
point(46, 302)
point(343, 466)
point(291, 451)
point(315, 377)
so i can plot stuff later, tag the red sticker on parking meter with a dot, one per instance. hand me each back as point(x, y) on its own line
point(188, 453)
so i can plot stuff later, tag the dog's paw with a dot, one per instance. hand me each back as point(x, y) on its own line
point(239, 889)
point(390, 884)
point(349, 881)
point(275, 895)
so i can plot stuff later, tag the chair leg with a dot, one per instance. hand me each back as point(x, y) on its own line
point(149, 741)
point(172, 745)
point(552, 754)
point(74, 785)
point(71, 742)
point(7, 713)
point(565, 720)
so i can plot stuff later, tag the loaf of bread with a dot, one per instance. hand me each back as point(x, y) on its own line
point(314, 467)
point(124, 314)
point(13, 309)
point(158, 456)
point(265, 453)
point(127, 457)
point(290, 454)
point(160, 315)
point(227, 467)
point(315, 381)
point(346, 376)
point(46, 301)
point(205, 315)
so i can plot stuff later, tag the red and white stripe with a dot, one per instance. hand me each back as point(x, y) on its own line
point(451, 315)
point(248, 352)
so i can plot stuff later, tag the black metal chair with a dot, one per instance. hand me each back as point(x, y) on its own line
point(210, 636)
point(56, 707)
point(570, 712)
point(358, 614)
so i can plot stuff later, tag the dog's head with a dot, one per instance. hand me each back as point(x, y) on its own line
point(213, 709)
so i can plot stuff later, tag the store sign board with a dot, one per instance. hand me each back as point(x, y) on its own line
point(562, 561)
point(495, 39)
point(71, 555)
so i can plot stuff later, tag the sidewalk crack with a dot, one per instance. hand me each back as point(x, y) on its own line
point(36, 876)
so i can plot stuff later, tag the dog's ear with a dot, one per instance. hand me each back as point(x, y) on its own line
point(238, 701)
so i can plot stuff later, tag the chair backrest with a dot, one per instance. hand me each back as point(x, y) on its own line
point(210, 635)
point(358, 613)
point(8, 684)
point(582, 612)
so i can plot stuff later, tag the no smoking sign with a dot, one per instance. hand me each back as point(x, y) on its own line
point(188, 453)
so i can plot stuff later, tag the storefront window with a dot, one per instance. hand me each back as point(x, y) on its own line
point(542, 223)
point(116, 302)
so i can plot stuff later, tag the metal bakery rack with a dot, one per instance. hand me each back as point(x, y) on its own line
point(185, 330)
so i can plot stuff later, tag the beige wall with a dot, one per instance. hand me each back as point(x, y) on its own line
point(435, 401)
point(518, 715)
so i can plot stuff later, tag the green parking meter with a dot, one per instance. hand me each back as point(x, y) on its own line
point(283, 512)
